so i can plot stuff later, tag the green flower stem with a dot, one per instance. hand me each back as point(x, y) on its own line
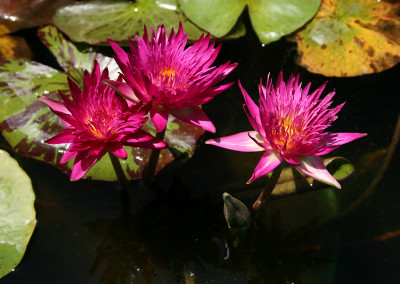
point(123, 181)
point(152, 164)
point(272, 181)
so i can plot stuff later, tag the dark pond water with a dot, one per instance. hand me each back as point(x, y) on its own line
point(176, 233)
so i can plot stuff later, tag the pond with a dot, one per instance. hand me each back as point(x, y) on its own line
point(175, 232)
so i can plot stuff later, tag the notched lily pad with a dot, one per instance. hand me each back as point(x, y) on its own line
point(17, 214)
point(95, 21)
point(271, 19)
point(26, 122)
point(350, 38)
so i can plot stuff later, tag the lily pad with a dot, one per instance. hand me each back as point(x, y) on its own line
point(95, 21)
point(351, 38)
point(17, 213)
point(26, 122)
point(14, 47)
point(22, 14)
point(271, 19)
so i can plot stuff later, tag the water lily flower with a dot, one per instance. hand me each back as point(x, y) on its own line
point(97, 121)
point(289, 125)
point(174, 80)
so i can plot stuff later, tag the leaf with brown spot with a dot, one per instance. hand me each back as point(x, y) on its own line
point(351, 38)
point(14, 47)
point(22, 14)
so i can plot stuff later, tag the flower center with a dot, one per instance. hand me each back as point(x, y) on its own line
point(286, 134)
point(100, 123)
point(166, 76)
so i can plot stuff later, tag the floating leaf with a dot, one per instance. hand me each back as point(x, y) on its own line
point(17, 214)
point(14, 47)
point(350, 38)
point(271, 19)
point(22, 14)
point(95, 21)
point(26, 123)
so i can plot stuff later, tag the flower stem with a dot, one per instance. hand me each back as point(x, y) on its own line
point(123, 181)
point(272, 181)
point(150, 169)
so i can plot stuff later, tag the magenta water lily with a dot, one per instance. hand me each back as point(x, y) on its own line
point(97, 121)
point(174, 80)
point(289, 125)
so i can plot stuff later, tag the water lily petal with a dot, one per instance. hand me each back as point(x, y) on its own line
point(268, 162)
point(251, 106)
point(314, 167)
point(144, 140)
point(84, 161)
point(196, 116)
point(121, 55)
point(337, 139)
point(68, 156)
point(241, 142)
point(123, 89)
point(66, 136)
point(117, 149)
point(159, 116)
point(55, 105)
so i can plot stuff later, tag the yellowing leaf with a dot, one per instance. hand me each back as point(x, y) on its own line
point(14, 47)
point(350, 38)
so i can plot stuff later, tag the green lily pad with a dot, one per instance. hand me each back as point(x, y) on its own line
point(271, 19)
point(350, 38)
point(17, 213)
point(95, 21)
point(26, 122)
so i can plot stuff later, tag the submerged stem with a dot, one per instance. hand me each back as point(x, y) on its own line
point(152, 164)
point(272, 181)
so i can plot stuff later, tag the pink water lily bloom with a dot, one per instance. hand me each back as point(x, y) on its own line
point(97, 121)
point(174, 80)
point(289, 125)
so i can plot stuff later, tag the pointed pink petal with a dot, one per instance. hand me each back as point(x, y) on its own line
point(55, 105)
point(118, 150)
point(68, 156)
point(314, 167)
point(159, 115)
point(238, 142)
point(194, 115)
point(144, 140)
point(119, 52)
point(336, 139)
point(251, 106)
point(269, 161)
point(123, 89)
point(65, 136)
point(292, 159)
point(84, 161)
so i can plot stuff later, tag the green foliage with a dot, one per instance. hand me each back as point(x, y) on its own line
point(17, 214)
